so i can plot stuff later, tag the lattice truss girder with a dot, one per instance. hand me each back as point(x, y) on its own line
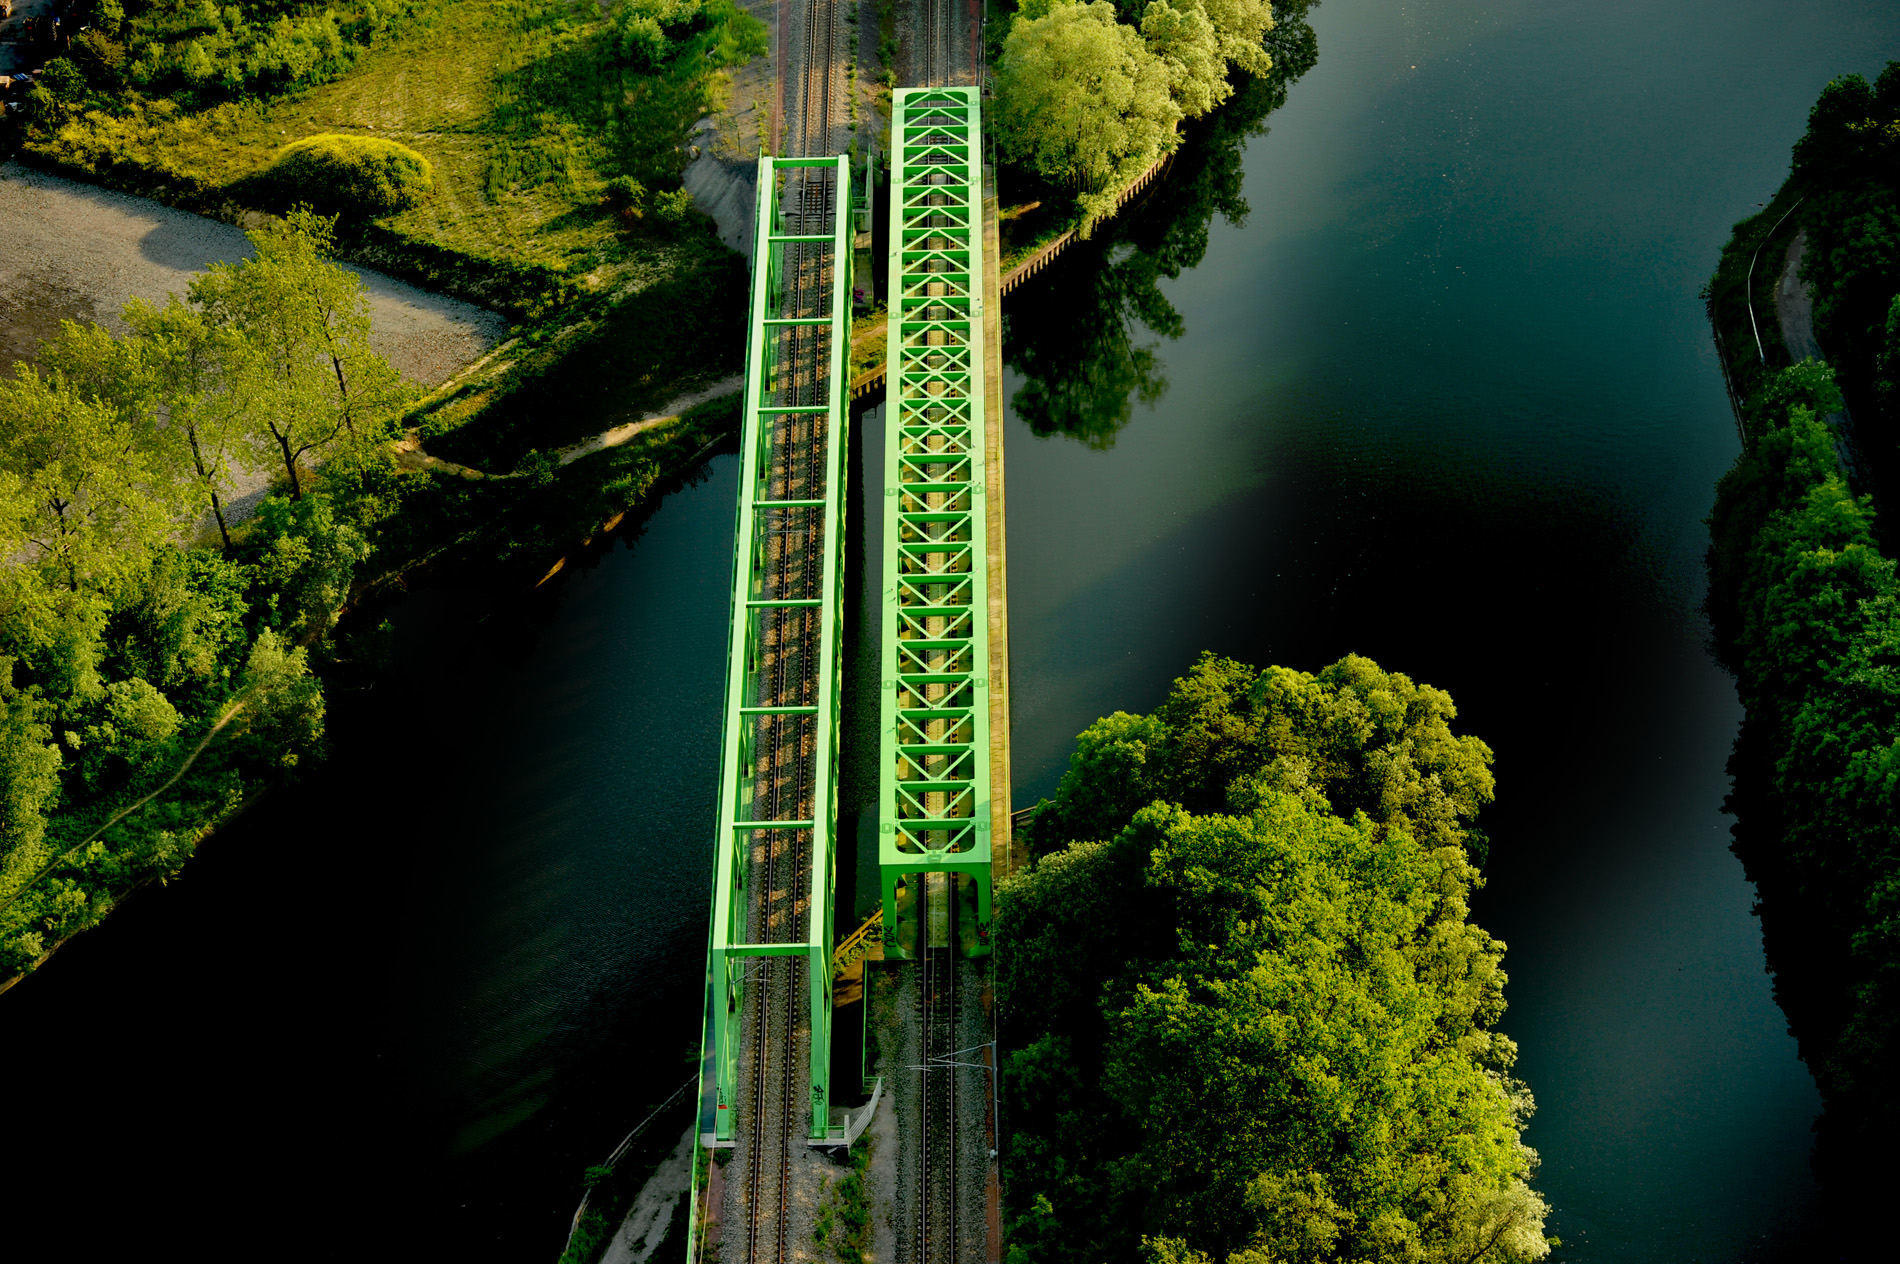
point(934, 793)
point(782, 676)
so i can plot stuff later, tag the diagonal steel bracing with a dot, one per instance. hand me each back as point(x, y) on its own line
point(934, 792)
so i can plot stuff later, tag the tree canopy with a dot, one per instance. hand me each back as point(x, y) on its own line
point(1081, 99)
point(122, 647)
point(1089, 95)
point(1807, 613)
point(1251, 1020)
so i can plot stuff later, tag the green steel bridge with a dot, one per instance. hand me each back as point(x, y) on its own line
point(770, 960)
point(934, 757)
point(768, 1032)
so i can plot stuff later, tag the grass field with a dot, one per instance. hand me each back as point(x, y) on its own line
point(520, 105)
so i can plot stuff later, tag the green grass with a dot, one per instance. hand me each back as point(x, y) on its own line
point(519, 106)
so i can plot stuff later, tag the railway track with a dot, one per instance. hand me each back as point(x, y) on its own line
point(934, 61)
point(815, 108)
point(787, 786)
point(937, 1128)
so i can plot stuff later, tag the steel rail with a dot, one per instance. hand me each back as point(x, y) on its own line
point(937, 1202)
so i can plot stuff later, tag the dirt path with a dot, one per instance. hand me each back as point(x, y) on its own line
point(1794, 307)
point(1794, 313)
point(76, 252)
point(410, 456)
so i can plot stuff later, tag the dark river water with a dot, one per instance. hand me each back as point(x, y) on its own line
point(1443, 396)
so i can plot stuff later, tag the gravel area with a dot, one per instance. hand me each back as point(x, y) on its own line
point(76, 252)
point(895, 1013)
point(663, 1197)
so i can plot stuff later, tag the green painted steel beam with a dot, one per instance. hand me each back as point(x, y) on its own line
point(934, 761)
point(732, 939)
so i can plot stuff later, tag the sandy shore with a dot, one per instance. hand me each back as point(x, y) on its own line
point(75, 252)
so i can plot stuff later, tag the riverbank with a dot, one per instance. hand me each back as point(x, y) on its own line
point(395, 528)
point(1801, 598)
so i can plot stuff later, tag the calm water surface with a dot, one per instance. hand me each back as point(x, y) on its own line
point(1444, 398)
point(1447, 399)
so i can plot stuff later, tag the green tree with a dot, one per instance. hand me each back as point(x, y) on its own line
point(185, 629)
point(283, 700)
point(1241, 28)
point(1254, 1022)
point(103, 369)
point(314, 387)
point(91, 491)
point(29, 783)
point(197, 370)
point(1326, 977)
point(131, 726)
point(306, 563)
point(1351, 738)
point(1081, 100)
point(1186, 41)
point(197, 64)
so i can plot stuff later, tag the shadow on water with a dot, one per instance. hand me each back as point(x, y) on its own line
point(396, 1010)
point(1421, 374)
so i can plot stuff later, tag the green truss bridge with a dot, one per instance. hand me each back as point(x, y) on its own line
point(943, 770)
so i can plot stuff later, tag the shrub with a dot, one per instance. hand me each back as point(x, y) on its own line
point(646, 30)
point(642, 44)
point(673, 206)
point(626, 198)
point(362, 175)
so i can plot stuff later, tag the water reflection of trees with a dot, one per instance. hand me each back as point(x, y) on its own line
point(1085, 334)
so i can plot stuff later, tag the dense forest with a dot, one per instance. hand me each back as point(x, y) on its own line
point(1806, 612)
point(1249, 1017)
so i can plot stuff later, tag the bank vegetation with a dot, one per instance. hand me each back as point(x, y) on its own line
point(1248, 1016)
point(1089, 94)
point(162, 655)
point(1806, 610)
